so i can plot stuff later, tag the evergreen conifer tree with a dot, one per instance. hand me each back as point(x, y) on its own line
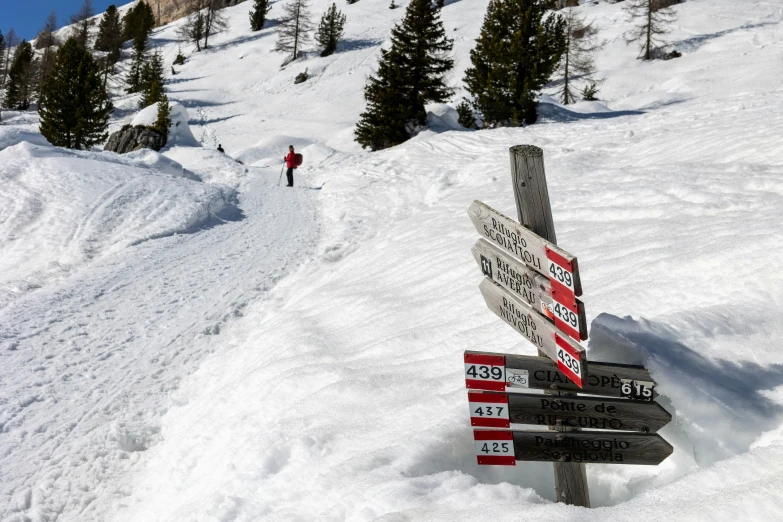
point(140, 19)
point(82, 22)
point(21, 78)
point(152, 71)
point(110, 34)
point(517, 51)
point(134, 78)
point(163, 121)
point(577, 63)
point(295, 26)
point(153, 94)
point(330, 30)
point(410, 74)
point(75, 108)
point(258, 14)
point(465, 116)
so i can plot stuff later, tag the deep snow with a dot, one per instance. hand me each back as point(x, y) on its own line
point(304, 361)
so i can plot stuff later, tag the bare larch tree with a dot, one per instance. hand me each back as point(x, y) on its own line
point(651, 18)
point(295, 27)
point(578, 61)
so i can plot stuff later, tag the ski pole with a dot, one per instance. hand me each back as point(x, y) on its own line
point(281, 175)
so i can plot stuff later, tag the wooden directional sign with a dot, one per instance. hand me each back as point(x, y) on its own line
point(589, 447)
point(569, 356)
point(567, 312)
point(509, 372)
point(536, 252)
point(585, 412)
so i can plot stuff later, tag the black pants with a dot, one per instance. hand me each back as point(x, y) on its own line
point(290, 175)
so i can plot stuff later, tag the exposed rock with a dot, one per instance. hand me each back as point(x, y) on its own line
point(130, 138)
point(171, 10)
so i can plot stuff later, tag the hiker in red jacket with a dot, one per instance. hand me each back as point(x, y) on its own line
point(290, 162)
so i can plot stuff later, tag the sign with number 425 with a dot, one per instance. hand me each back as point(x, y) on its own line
point(494, 448)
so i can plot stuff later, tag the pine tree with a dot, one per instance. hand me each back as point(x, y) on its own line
point(137, 21)
point(410, 74)
point(258, 14)
point(152, 80)
point(180, 58)
point(110, 34)
point(330, 30)
point(46, 38)
point(134, 78)
point(153, 94)
point(163, 121)
point(577, 63)
point(21, 78)
point(75, 108)
point(519, 48)
point(466, 118)
point(651, 24)
point(82, 22)
point(295, 26)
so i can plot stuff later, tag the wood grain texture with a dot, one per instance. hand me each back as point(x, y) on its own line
point(591, 447)
point(530, 190)
point(518, 241)
point(528, 322)
point(524, 283)
point(602, 378)
point(531, 194)
point(586, 412)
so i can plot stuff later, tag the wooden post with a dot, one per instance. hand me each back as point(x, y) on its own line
point(534, 211)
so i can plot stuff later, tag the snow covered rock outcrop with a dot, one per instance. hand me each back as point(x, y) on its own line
point(131, 138)
point(179, 131)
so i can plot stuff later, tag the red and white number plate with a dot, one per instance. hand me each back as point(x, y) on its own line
point(561, 275)
point(488, 409)
point(485, 372)
point(569, 361)
point(494, 448)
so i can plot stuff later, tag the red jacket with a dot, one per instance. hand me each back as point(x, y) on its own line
point(290, 160)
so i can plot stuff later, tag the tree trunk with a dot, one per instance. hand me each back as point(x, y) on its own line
point(648, 51)
point(296, 31)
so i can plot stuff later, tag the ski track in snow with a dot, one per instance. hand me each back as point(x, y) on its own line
point(89, 363)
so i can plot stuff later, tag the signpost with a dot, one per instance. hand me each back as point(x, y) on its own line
point(527, 285)
point(533, 285)
point(600, 413)
point(553, 343)
point(579, 447)
point(508, 372)
point(536, 252)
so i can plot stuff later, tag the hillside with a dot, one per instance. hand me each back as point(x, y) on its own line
point(225, 349)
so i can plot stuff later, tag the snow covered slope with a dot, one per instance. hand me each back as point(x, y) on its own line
point(305, 362)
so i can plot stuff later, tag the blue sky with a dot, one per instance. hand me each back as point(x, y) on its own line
point(28, 16)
